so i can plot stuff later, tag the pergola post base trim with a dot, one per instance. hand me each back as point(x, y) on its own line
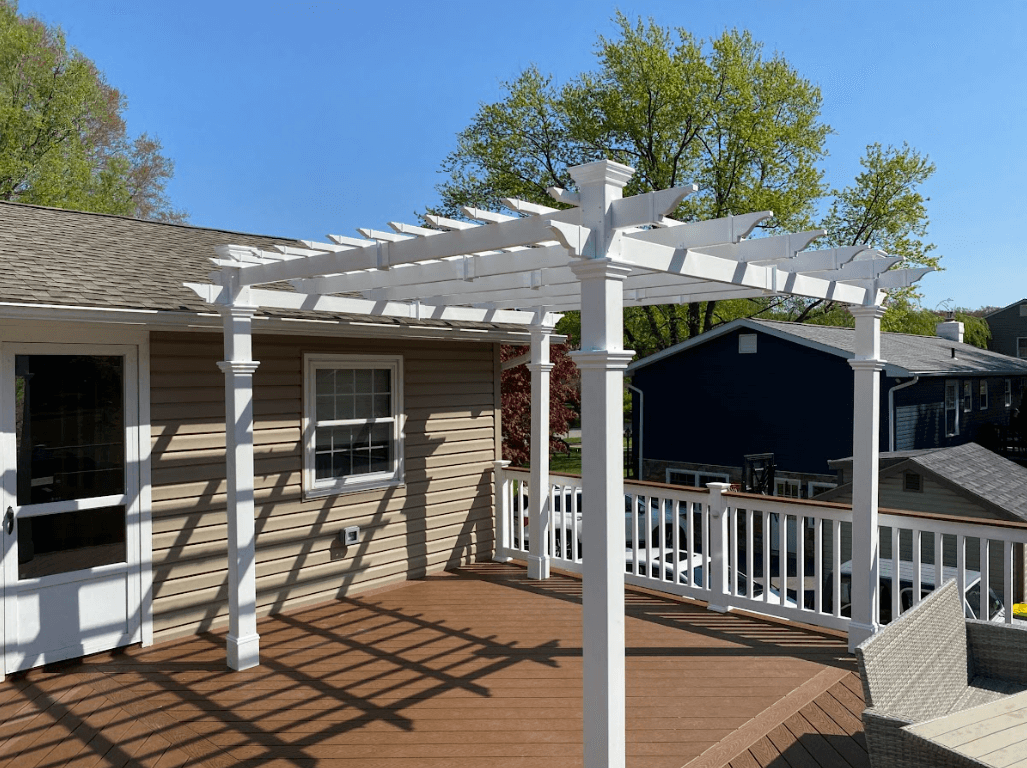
point(243, 652)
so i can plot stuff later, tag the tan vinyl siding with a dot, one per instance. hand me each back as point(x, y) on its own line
point(439, 518)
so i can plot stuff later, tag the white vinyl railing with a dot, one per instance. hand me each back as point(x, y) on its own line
point(787, 558)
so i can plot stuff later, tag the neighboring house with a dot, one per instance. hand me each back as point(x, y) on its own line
point(964, 481)
point(765, 387)
point(1009, 329)
point(112, 420)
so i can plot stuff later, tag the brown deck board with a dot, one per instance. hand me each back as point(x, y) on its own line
point(477, 668)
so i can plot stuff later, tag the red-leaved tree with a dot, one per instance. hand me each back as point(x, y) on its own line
point(564, 402)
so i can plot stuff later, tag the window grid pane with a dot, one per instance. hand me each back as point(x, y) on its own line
point(354, 422)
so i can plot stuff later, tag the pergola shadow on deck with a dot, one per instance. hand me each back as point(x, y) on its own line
point(478, 667)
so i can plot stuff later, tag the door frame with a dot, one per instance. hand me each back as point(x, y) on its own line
point(66, 338)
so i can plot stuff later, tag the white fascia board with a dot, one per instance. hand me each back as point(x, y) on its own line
point(476, 239)
point(147, 320)
point(288, 300)
point(695, 341)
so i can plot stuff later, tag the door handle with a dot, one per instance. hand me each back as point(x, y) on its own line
point(9, 521)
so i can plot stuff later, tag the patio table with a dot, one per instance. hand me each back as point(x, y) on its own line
point(992, 734)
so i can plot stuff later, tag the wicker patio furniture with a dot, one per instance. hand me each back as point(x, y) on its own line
point(931, 662)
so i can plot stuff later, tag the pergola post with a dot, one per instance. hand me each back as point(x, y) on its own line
point(238, 367)
point(601, 361)
point(538, 488)
point(867, 366)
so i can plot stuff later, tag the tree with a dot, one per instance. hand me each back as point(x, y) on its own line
point(745, 127)
point(63, 141)
point(564, 402)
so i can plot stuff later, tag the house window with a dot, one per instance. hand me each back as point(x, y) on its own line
point(1021, 347)
point(786, 488)
point(967, 397)
point(1008, 396)
point(352, 423)
point(951, 408)
point(911, 481)
point(747, 343)
point(983, 392)
point(694, 479)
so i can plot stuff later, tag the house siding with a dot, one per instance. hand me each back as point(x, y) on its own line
point(1007, 325)
point(712, 405)
point(440, 517)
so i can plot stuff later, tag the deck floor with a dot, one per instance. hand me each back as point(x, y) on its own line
point(480, 667)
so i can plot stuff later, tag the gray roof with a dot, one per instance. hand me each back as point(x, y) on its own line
point(970, 469)
point(69, 258)
point(905, 354)
point(73, 259)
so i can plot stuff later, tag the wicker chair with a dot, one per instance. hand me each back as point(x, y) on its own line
point(930, 662)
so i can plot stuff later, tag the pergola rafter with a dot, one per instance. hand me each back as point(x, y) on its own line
point(603, 253)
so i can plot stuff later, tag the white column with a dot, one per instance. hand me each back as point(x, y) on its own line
point(238, 367)
point(867, 366)
point(718, 547)
point(538, 487)
point(602, 361)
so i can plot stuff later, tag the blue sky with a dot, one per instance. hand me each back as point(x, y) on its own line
point(303, 119)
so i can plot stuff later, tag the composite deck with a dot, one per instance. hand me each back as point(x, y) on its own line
point(480, 667)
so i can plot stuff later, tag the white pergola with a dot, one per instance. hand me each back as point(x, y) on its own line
point(523, 268)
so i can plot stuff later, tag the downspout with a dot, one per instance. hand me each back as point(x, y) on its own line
point(641, 413)
point(891, 409)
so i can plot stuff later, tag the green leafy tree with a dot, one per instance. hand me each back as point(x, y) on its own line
point(745, 127)
point(63, 141)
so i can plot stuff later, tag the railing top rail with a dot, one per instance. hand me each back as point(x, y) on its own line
point(957, 519)
point(786, 500)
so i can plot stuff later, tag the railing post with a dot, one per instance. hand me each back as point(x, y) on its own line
point(718, 547)
point(501, 485)
point(867, 366)
point(541, 513)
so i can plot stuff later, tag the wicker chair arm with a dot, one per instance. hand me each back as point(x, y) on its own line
point(886, 742)
point(997, 650)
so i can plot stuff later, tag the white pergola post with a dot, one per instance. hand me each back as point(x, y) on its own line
point(238, 367)
point(867, 366)
point(602, 361)
point(538, 488)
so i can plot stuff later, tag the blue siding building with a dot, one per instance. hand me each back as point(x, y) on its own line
point(765, 387)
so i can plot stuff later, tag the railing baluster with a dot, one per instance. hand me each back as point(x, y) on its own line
point(939, 560)
point(818, 565)
point(1007, 569)
point(766, 556)
point(800, 563)
point(896, 580)
point(916, 537)
point(960, 566)
point(985, 606)
point(748, 551)
point(836, 555)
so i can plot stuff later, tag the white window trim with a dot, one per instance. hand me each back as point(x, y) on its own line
point(952, 385)
point(789, 483)
point(693, 477)
point(313, 488)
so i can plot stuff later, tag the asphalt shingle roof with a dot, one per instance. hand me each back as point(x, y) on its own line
point(76, 259)
point(972, 468)
point(924, 355)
